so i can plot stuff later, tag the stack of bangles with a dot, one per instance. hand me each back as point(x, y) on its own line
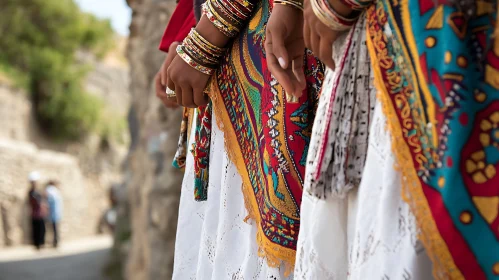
point(228, 16)
point(331, 18)
point(199, 53)
point(293, 3)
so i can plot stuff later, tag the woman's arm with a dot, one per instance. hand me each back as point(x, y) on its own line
point(180, 24)
point(326, 20)
point(201, 51)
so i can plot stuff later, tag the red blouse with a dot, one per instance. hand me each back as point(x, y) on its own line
point(180, 24)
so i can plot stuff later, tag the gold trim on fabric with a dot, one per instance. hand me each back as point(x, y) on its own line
point(274, 254)
point(412, 192)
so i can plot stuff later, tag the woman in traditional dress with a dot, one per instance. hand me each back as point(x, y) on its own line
point(429, 188)
point(239, 208)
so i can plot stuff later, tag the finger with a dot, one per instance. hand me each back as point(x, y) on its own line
point(160, 89)
point(268, 42)
point(278, 34)
point(272, 63)
point(169, 58)
point(171, 85)
point(171, 55)
point(314, 42)
point(163, 73)
point(283, 76)
point(200, 98)
point(169, 103)
point(326, 52)
point(300, 80)
point(306, 34)
point(187, 98)
point(178, 93)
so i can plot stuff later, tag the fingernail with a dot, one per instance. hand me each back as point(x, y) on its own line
point(282, 62)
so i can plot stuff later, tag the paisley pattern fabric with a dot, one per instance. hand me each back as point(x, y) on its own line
point(201, 151)
point(266, 136)
point(438, 76)
point(200, 147)
point(181, 154)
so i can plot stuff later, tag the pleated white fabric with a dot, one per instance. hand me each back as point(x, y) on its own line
point(213, 241)
point(370, 234)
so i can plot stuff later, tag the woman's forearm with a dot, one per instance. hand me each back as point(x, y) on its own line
point(341, 8)
point(206, 29)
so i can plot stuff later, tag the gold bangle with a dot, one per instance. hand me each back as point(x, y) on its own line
point(222, 9)
point(234, 9)
point(206, 57)
point(294, 4)
point(220, 18)
point(206, 43)
point(189, 60)
point(246, 4)
point(221, 24)
point(200, 58)
point(328, 20)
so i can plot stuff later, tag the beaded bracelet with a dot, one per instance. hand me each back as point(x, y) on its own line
point(194, 64)
point(293, 3)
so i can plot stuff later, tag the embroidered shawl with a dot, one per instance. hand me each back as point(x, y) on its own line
point(266, 136)
point(437, 71)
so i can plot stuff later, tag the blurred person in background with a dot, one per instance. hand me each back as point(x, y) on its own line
point(54, 200)
point(107, 222)
point(37, 212)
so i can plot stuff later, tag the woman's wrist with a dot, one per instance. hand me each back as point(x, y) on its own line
point(206, 29)
point(340, 8)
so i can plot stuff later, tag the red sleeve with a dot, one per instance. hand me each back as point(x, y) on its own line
point(180, 24)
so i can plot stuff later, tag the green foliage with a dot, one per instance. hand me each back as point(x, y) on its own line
point(40, 38)
point(12, 76)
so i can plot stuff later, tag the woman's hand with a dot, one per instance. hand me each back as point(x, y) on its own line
point(318, 37)
point(285, 48)
point(162, 76)
point(188, 83)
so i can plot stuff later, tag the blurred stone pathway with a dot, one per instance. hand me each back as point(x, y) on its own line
point(81, 259)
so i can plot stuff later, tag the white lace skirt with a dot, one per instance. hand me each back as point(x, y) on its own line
point(370, 234)
point(213, 241)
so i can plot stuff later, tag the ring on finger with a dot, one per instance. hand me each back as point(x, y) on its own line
point(170, 93)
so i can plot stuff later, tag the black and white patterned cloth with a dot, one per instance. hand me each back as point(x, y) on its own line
point(338, 147)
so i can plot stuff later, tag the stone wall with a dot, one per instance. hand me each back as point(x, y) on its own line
point(81, 211)
point(86, 170)
point(153, 188)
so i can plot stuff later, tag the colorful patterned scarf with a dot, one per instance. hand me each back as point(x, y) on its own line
point(437, 70)
point(266, 136)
